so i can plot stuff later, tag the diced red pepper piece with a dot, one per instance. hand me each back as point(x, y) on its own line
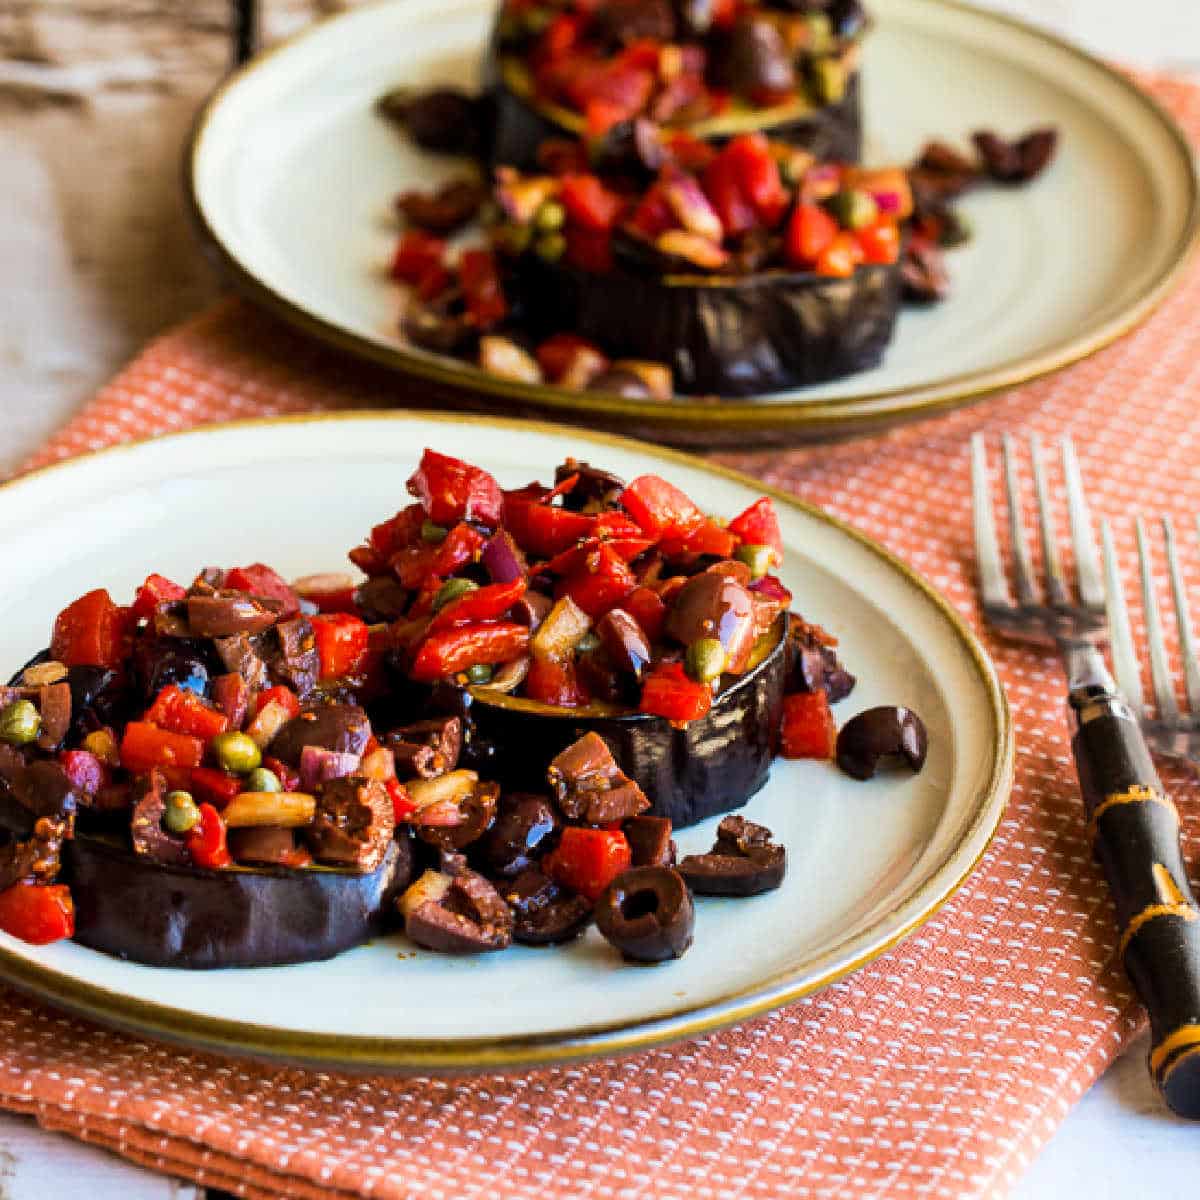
point(90, 632)
point(214, 787)
point(288, 776)
point(560, 36)
point(417, 565)
point(484, 604)
point(402, 803)
point(660, 508)
point(648, 608)
point(589, 250)
point(399, 531)
point(880, 244)
point(757, 173)
point(454, 650)
point(260, 580)
point(206, 842)
point(145, 746)
point(180, 710)
point(670, 692)
point(810, 233)
point(590, 204)
point(554, 355)
point(759, 526)
point(450, 490)
point(588, 860)
point(552, 681)
point(341, 643)
point(416, 255)
point(157, 589)
point(709, 538)
point(600, 582)
point(542, 530)
point(654, 214)
point(278, 695)
point(725, 13)
point(330, 592)
point(37, 913)
point(231, 696)
point(483, 293)
point(808, 727)
point(85, 771)
point(840, 258)
point(724, 191)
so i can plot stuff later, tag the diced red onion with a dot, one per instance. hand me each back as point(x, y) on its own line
point(318, 765)
point(503, 559)
point(771, 587)
point(887, 202)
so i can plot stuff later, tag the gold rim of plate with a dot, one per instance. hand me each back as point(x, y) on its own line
point(708, 421)
point(401, 1055)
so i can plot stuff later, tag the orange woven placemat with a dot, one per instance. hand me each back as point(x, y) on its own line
point(937, 1071)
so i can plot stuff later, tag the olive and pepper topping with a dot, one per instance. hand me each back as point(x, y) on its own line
point(744, 861)
point(647, 914)
point(884, 736)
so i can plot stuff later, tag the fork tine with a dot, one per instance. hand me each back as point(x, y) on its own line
point(1125, 664)
point(992, 582)
point(1187, 640)
point(1056, 584)
point(1083, 540)
point(1160, 672)
point(1022, 563)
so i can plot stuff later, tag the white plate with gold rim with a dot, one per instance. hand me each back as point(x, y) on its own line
point(867, 862)
point(291, 177)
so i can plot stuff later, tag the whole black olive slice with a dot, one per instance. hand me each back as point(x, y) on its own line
point(744, 861)
point(881, 735)
point(646, 912)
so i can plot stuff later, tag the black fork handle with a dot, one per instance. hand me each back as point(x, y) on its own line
point(1135, 834)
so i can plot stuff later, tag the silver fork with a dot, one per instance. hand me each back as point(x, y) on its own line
point(1133, 824)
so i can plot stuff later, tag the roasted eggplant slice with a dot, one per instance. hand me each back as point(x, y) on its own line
point(724, 335)
point(198, 919)
point(711, 765)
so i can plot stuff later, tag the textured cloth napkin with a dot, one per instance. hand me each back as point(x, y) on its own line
point(937, 1071)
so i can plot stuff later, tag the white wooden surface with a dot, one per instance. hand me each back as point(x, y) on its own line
point(95, 257)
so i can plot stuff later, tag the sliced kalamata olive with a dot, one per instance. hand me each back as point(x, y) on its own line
point(943, 159)
point(43, 789)
point(381, 599)
point(633, 148)
point(592, 487)
point(879, 737)
point(150, 838)
point(759, 61)
point(744, 861)
point(601, 680)
point(353, 825)
point(244, 655)
point(1037, 152)
point(444, 119)
point(460, 824)
point(54, 705)
point(526, 827)
point(343, 728)
point(443, 211)
point(588, 785)
point(621, 22)
point(544, 912)
point(650, 841)
point(462, 913)
point(157, 663)
point(646, 912)
point(923, 273)
point(297, 664)
point(624, 641)
point(228, 613)
point(1017, 161)
point(427, 748)
point(714, 606)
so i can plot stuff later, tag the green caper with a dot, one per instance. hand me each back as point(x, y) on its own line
point(757, 558)
point(236, 752)
point(551, 247)
point(452, 589)
point(550, 216)
point(433, 533)
point(587, 643)
point(828, 80)
point(20, 722)
point(181, 813)
point(854, 209)
point(705, 660)
point(262, 780)
point(479, 673)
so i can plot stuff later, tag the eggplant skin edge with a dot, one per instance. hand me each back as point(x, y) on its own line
point(712, 765)
point(832, 133)
point(725, 336)
point(198, 919)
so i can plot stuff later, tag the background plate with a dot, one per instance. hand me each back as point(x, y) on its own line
point(867, 862)
point(291, 177)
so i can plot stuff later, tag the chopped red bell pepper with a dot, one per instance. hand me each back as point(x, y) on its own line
point(840, 258)
point(91, 632)
point(37, 913)
point(484, 604)
point(145, 746)
point(589, 251)
point(206, 842)
point(417, 565)
point(417, 254)
point(590, 204)
point(759, 526)
point(670, 692)
point(600, 582)
point(588, 860)
point(392, 535)
point(560, 36)
point(660, 508)
point(552, 681)
point(260, 580)
point(214, 787)
point(85, 771)
point(287, 775)
point(450, 490)
point(278, 695)
point(879, 243)
point(810, 233)
point(709, 538)
point(654, 214)
point(402, 803)
point(647, 606)
point(483, 292)
point(724, 191)
point(454, 650)
point(808, 729)
point(744, 185)
point(180, 710)
point(725, 13)
point(155, 591)
point(541, 529)
point(330, 592)
point(341, 643)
